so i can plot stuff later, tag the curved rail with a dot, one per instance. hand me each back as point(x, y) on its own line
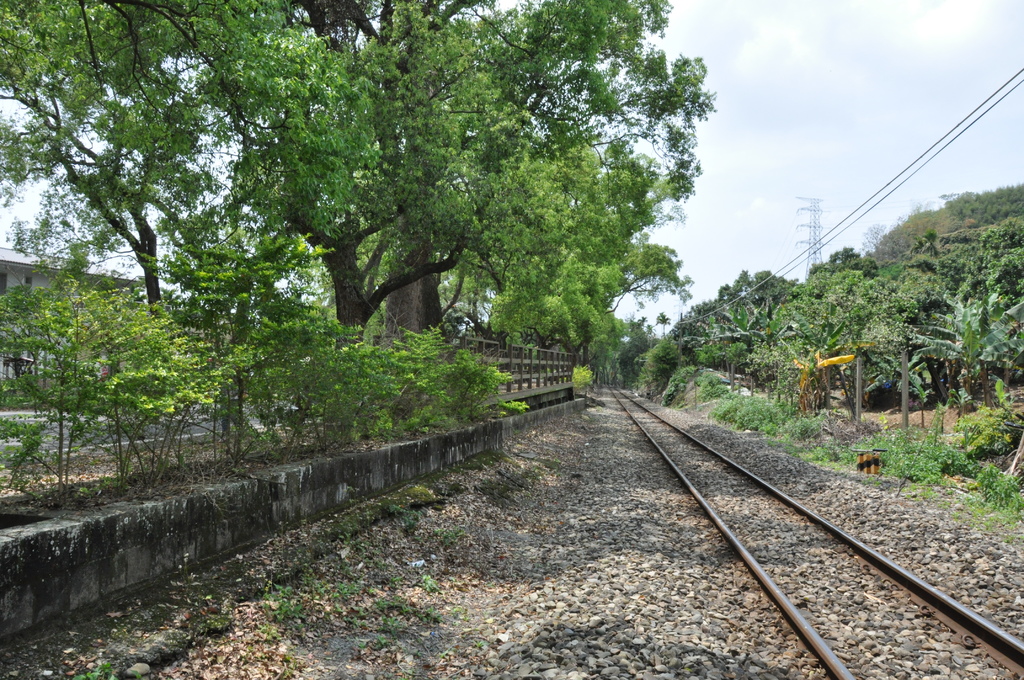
point(831, 663)
point(973, 627)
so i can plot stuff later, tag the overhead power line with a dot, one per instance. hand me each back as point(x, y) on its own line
point(916, 166)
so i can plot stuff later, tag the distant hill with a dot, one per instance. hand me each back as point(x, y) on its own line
point(959, 221)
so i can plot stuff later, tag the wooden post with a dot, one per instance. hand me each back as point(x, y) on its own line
point(533, 366)
point(508, 355)
point(859, 388)
point(905, 390)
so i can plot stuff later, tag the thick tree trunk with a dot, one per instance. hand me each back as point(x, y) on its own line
point(416, 307)
point(351, 306)
point(146, 253)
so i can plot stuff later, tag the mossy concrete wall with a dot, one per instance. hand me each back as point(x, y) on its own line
point(54, 566)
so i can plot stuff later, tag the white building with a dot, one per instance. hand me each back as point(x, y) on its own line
point(21, 270)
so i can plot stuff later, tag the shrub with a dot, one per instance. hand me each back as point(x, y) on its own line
point(710, 387)
point(984, 433)
point(582, 377)
point(662, 361)
point(753, 413)
point(677, 385)
point(922, 460)
point(437, 387)
point(105, 365)
point(801, 427)
point(1000, 490)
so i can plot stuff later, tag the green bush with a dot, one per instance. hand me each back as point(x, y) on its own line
point(753, 413)
point(984, 433)
point(710, 387)
point(582, 377)
point(918, 459)
point(677, 384)
point(662, 361)
point(328, 388)
point(1000, 490)
point(801, 427)
point(437, 388)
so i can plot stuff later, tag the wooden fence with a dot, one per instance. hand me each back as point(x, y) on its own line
point(530, 367)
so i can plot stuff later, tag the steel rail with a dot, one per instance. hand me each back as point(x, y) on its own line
point(974, 628)
point(831, 663)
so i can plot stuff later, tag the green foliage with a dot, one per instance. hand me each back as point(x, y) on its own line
point(438, 387)
point(104, 365)
point(920, 459)
point(677, 385)
point(984, 433)
point(802, 427)
point(23, 440)
point(104, 672)
point(582, 377)
point(710, 386)
point(630, 356)
point(513, 407)
point(285, 605)
point(1000, 490)
point(711, 354)
point(753, 413)
point(429, 584)
point(662, 361)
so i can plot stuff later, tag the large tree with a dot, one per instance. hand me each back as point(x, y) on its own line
point(567, 242)
point(118, 152)
point(377, 130)
point(177, 122)
point(459, 87)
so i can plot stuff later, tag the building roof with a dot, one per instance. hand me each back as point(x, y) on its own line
point(14, 257)
point(8, 256)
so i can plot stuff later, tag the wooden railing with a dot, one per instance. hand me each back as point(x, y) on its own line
point(530, 367)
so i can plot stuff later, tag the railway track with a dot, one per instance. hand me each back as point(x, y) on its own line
point(846, 602)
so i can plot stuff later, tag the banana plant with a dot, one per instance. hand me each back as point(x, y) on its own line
point(971, 337)
point(820, 345)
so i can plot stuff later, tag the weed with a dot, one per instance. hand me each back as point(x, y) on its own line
point(922, 460)
point(430, 615)
point(284, 604)
point(411, 519)
point(428, 584)
point(710, 387)
point(346, 589)
point(754, 413)
point(104, 672)
point(395, 604)
point(1000, 491)
point(449, 537)
point(391, 625)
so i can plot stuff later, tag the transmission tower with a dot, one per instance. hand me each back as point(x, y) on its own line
point(813, 227)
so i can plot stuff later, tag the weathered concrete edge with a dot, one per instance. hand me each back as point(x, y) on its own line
point(58, 565)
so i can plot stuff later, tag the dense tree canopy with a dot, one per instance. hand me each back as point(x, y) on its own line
point(393, 136)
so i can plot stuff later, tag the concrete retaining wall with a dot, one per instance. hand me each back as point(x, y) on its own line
point(54, 566)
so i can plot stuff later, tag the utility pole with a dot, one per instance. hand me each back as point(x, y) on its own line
point(814, 232)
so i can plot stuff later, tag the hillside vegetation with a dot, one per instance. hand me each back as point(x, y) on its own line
point(946, 286)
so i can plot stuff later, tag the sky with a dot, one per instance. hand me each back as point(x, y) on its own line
point(831, 100)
